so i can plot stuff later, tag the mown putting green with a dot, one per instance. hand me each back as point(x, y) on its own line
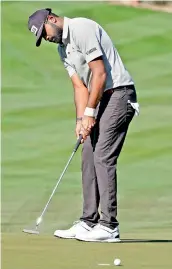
point(38, 119)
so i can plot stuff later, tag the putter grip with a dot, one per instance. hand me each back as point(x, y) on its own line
point(78, 143)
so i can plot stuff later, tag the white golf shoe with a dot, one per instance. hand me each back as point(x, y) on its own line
point(79, 228)
point(100, 233)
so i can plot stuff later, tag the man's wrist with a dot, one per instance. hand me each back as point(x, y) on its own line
point(90, 112)
point(79, 119)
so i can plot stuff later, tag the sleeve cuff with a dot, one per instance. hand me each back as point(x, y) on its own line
point(93, 56)
point(71, 71)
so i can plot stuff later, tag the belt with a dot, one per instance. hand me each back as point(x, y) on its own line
point(110, 91)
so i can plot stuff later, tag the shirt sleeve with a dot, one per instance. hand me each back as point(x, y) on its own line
point(85, 35)
point(67, 64)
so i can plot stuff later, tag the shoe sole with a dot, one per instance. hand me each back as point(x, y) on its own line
point(66, 237)
point(117, 240)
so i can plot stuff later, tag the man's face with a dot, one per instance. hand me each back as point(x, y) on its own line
point(52, 32)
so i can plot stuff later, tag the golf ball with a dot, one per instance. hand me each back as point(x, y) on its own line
point(117, 262)
point(38, 221)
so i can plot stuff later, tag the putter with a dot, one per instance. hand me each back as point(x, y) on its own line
point(39, 220)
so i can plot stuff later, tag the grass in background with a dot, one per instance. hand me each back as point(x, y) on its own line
point(38, 120)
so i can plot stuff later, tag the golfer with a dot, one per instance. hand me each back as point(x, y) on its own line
point(105, 101)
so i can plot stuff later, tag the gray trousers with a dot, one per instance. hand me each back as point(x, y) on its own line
point(99, 157)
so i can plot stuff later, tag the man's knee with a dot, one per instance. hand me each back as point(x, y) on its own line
point(100, 155)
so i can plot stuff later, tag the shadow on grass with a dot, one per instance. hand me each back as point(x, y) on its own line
point(145, 241)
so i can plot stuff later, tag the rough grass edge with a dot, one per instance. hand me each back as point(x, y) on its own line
point(154, 7)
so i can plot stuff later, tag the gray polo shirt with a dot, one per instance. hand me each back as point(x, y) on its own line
point(85, 40)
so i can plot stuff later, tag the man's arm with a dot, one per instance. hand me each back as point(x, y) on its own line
point(96, 90)
point(89, 44)
point(80, 95)
point(81, 99)
point(97, 82)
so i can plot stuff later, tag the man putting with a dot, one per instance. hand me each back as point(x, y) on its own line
point(105, 101)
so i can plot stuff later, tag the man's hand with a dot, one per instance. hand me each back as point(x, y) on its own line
point(86, 126)
point(78, 128)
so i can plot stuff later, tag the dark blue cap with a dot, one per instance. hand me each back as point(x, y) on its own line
point(36, 23)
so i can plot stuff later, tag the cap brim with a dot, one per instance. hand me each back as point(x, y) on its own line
point(39, 36)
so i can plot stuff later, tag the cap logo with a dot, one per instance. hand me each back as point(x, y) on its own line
point(34, 29)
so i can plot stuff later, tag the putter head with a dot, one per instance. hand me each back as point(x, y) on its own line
point(30, 231)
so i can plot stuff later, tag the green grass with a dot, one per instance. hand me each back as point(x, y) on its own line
point(38, 120)
point(44, 252)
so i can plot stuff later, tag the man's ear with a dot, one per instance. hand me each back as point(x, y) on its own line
point(52, 19)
